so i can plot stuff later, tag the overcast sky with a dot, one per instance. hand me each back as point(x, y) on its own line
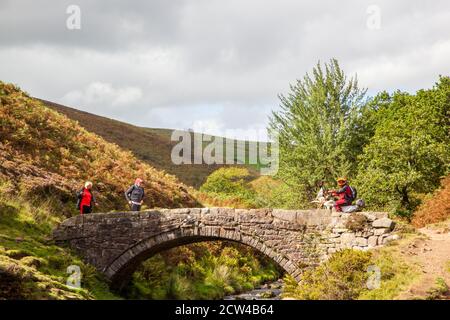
point(214, 65)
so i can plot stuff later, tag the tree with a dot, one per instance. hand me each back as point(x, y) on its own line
point(410, 150)
point(320, 128)
point(230, 183)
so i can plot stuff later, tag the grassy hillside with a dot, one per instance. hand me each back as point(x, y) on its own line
point(44, 158)
point(151, 145)
point(45, 153)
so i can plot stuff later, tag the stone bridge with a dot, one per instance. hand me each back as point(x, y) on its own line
point(116, 243)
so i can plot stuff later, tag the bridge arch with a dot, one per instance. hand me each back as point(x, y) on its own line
point(121, 268)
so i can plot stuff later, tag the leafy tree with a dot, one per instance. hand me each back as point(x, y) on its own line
point(321, 128)
point(230, 183)
point(410, 150)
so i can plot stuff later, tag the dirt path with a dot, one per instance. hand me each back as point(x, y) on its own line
point(430, 251)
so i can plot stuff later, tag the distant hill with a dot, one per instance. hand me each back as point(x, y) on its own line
point(151, 145)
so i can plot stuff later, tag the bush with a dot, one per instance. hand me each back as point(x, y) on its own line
point(274, 193)
point(342, 277)
point(230, 183)
point(435, 209)
point(356, 222)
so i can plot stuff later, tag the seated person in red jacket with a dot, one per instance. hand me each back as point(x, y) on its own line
point(344, 193)
point(86, 199)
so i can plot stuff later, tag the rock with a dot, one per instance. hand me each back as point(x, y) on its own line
point(340, 230)
point(333, 235)
point(345, 215)
point(360, 248)
point(383, 223)
point(380, 231)
point(390, 238)
point(364, 234)
point(336, 214)
point(372, 241)
point(267, 294)
point(360, 241)
point(347, 239)
point(276, 285)
point(370, 216)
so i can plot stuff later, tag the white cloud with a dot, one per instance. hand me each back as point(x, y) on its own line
point(182, 63)
point(103, 95)
point(411, 70)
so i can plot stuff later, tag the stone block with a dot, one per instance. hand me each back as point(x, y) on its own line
point(390, 238)
point(361, 241)
point(380, 231)
point(347, 238)
point(372, 241)
point(339, 230)
point(383, 223)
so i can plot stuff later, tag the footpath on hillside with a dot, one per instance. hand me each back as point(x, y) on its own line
point(430, 251)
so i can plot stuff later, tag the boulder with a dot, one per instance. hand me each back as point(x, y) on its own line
point(390, 238)
point(383, 223)
point(360, 241)
point(372, 241)
point(347, 238)
point(380, 231)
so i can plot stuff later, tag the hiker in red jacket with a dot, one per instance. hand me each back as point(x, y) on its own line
point(344, 193)
point(86, 199)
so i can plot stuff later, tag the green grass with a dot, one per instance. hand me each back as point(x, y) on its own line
point(32, 266)
point(345, 276)
point(396, 275)
point(439, 290)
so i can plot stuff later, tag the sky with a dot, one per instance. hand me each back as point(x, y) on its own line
point(212, 65)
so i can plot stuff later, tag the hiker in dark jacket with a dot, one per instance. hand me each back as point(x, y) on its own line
point(86, 199)
point(135, 195)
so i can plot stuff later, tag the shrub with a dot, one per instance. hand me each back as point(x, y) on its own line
point(356, 222)
point(274, 193)
point(439, 290)
point(342, 277)
point(435, 209)
point(230, 183)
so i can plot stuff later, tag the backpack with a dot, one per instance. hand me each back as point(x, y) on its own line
point(79, 196)
point(354, 193)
